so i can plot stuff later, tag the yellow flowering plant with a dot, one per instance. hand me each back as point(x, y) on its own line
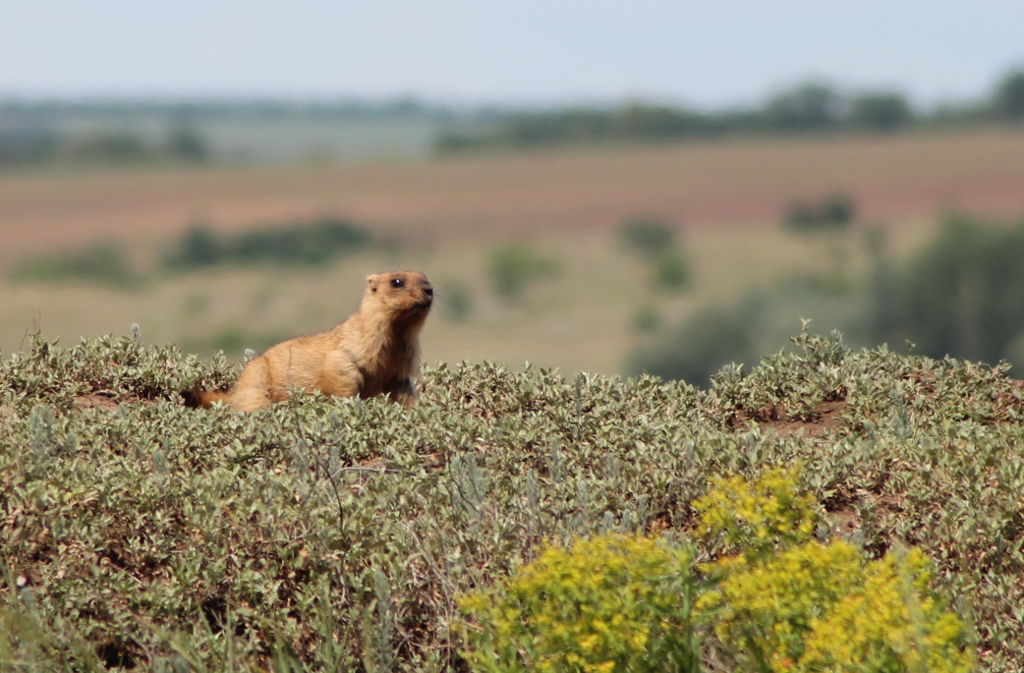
point(804, 606)
point(783, 602)
point(757, 516)
point(610, 603)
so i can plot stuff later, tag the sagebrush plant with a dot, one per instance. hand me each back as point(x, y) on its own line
point(331, 534)
point(612, 602)
point(810, 606)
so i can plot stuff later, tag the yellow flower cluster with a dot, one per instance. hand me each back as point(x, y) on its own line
point(891, 622)
point(770, 604)
point(801, 606)
point(760, 515)
point(784, 603)
point(610, 603)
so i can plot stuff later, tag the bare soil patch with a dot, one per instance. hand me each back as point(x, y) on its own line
point(826, 416)
point(108, 400)
point(846, 521)
point(98, 400)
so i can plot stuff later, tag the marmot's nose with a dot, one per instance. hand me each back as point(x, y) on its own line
point(429, 291)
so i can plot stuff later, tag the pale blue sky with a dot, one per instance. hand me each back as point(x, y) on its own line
point(709, 53)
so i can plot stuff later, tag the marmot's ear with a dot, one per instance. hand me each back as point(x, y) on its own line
point(373, 281)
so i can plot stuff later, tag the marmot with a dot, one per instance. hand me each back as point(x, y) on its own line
point(374, 351)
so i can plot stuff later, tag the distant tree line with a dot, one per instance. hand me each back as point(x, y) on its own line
point(34, 144)
point(50, 131)
point(226, 109)
point(813, 107)
point(33, 132)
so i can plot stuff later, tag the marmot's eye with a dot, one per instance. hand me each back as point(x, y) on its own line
point(397, 282)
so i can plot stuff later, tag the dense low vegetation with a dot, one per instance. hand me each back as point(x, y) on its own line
point(335, 534)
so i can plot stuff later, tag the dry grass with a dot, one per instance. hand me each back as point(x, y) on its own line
point(727, 196)
point(579, 321)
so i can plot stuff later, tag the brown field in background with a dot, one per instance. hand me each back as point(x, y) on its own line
point(738, 183)
point(726, 196)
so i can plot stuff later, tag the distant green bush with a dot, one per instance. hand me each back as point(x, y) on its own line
point(197, 248)
point(104, 263)
point(300, 244)
point(835, 212)
point(699, 347)
point(963, 294)
point(960, 295)
point(671, 272)
point(646, 319)
point(515, 267)
point(759, 322)
point(648, 237)
point(655, 242)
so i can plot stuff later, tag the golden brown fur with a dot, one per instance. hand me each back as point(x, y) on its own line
point(373, 352)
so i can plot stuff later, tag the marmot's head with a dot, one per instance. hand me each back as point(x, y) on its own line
point(407, 295)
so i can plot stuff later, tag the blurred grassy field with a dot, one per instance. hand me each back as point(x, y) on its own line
point(726, 198)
